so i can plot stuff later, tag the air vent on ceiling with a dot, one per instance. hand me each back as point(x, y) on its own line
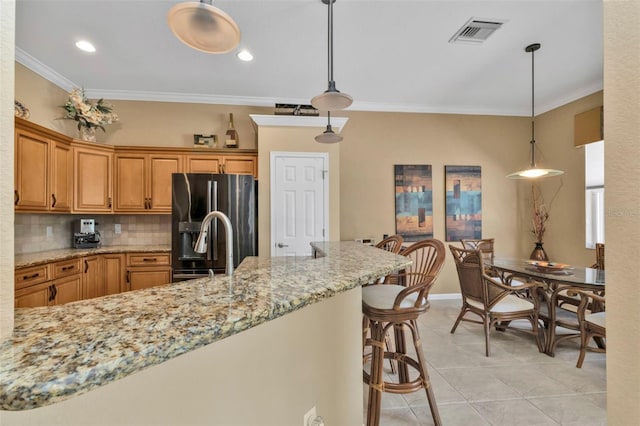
point(476, 30)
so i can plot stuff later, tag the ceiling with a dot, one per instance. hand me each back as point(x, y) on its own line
point(390, 55)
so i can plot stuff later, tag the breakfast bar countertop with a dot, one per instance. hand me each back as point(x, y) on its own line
point(38, 258)
point(58, 352)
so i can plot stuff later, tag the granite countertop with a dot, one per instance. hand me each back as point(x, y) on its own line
point(58, 352)
point(38, 258)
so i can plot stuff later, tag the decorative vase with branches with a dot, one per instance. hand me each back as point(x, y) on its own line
point(540, 211)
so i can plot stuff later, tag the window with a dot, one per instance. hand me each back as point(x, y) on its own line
point(594, 193)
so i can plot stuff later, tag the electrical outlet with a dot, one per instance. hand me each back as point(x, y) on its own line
point(311, 414)
point(118, 228)
point(49, 231)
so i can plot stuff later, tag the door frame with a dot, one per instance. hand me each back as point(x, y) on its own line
point(272, 185)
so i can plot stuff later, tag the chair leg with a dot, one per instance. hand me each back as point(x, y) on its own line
point(584, 341)
point(487, 331)
point(401, 350)
point(423, 373)
point(460, 315)
point(375, 381)
point(387, 344)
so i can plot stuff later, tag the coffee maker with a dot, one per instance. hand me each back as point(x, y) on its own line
point(85, 234)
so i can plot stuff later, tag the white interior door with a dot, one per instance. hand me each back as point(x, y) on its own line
point(299, 202)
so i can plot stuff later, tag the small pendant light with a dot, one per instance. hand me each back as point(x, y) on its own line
point(203, 27)
point(533, 171)
point(332, 99)
point(328, 136)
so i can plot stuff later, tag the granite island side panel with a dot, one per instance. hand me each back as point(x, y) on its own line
point(60, 351)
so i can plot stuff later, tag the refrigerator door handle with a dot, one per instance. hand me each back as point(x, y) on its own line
point(209, 191)
point(214, 239)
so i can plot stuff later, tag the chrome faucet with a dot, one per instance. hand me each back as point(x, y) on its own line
point(201, 243)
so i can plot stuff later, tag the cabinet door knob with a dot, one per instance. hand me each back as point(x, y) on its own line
point(16, 197)
point(53, 200)
point(86, 266)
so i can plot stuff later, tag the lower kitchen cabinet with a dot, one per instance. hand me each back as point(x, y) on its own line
point(33, 296)
point(35, 286)
point(113, 271)
point(92, 279)
point(90, 276)
point(146, 270)
point(66, 290)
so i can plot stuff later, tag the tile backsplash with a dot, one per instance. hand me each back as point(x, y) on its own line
point(31, 230)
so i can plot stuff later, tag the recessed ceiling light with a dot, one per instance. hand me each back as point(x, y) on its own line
point(85, 45)
point(245, 55)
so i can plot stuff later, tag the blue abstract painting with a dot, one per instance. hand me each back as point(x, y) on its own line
point(463, 202)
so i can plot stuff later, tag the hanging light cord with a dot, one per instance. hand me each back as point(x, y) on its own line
point(330, 41)
point(533, 139)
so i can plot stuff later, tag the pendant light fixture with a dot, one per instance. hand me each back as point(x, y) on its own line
point(533, 171)
point(332, 99)
point(203, 27)
point(328, 136)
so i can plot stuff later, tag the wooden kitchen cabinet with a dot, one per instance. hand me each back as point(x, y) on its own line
point(46, 285)
point(203, 163)
point(92, 178)
point(146, 270)
point(92, 278)
point(222, 163)
point(242, 165)
point(43, 170)
point(113, 272)
point(143, 181)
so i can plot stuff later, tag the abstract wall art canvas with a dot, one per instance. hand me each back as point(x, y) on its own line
point(414, 202)
point(463, 185)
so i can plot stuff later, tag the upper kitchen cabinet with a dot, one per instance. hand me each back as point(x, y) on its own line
point(43, 169)
point(143, 180)
point(237, 163)
point(92, 178)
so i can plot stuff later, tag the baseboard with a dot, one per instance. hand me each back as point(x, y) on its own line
point(445, 296)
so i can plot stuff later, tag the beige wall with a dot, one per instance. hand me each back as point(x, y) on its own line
point(622, 201)
point(293, 139)
point(7, 27)
point(374, 142)
point(141, 123)
point(565, 236)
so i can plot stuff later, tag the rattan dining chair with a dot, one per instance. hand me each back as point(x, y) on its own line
point(398, 306)
point(392, 244)
point(496, 303)
point(599, 257)
point(592, 319)
point(486, 247)
point(570, 303)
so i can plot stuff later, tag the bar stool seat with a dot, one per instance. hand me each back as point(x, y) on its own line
point(398, 306)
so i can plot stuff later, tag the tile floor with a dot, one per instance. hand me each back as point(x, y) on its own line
point(516, 385)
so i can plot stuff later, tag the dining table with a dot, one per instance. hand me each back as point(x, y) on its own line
point(555, 277)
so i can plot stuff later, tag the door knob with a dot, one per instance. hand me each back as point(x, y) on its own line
point(280, 245)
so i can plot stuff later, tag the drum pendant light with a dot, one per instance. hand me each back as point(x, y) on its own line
point(203, 27)
point(328, 136)
point(533, 171)
point(332, 99)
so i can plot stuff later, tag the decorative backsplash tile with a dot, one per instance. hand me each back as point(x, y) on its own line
point(31, 230)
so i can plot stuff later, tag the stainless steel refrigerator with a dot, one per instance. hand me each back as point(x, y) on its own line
point(196, 194)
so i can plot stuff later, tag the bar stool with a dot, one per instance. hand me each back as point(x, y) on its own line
point(398, 305)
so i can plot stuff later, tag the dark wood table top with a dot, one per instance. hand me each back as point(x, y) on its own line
point(574, 275)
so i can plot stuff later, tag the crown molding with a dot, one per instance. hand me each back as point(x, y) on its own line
point(133, 95)
point(43, 70)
